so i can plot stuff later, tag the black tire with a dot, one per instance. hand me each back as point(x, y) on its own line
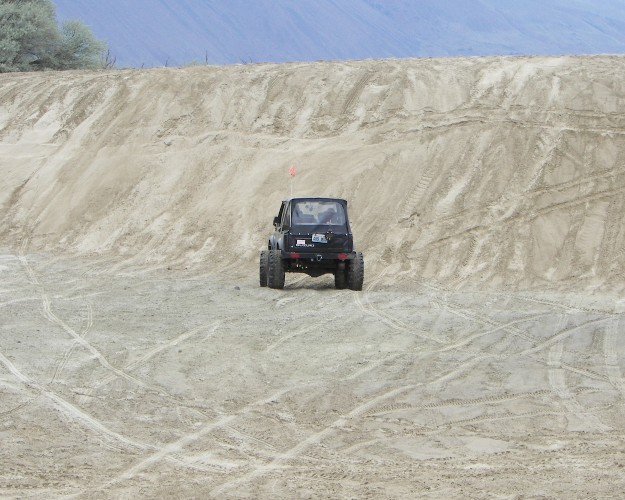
point(275, 270)
point(264, 262)
point(340, 279)
point(356, 272)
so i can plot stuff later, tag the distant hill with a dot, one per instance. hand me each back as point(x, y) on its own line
point(161, 32)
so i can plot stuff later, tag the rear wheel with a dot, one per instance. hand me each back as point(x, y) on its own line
point(264, 262)
point(356, 272)
point(275, 270)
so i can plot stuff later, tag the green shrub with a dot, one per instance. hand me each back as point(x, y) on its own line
point(30, 39)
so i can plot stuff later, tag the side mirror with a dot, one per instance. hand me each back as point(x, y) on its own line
point(276, 221)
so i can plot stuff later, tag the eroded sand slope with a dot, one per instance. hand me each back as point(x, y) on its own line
point(498, 171)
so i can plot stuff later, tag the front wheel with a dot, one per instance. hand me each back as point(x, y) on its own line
point(275, 270)
point(356, 272)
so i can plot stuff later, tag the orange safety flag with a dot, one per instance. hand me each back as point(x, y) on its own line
point(292, 171)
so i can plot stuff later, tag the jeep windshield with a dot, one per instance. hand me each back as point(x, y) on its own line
point(313, 213)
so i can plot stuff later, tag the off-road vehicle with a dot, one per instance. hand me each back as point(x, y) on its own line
point(312, 236)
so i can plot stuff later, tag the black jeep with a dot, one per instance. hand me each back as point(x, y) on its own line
point(312, 236)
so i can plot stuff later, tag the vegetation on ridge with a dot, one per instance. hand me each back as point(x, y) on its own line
point(31, 39)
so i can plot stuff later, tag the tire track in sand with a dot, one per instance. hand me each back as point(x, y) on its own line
point(525, 415)
point(311, 440)
point(61, 366)
point(489, 400)
point(367, 308)
point(611, 354)
point(474, 315)
point(557, 381)
point(174, 447)
point(47, 309)
point(157, 350)
point(537, 346)
point(76, 414)
point(360, 411)
point(355, 92)
point(572, 406)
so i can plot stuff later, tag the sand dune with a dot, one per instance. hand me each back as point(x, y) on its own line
point(499, 171)
point(483, 358)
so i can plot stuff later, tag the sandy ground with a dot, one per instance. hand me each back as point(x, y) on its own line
point(485, 357)
point(153, 384)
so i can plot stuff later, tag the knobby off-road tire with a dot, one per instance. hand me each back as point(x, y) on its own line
point(340, 279)
point(275, 270)
point(264, 263)
point(356, 272)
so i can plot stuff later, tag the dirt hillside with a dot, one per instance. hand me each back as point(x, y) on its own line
point(498, 171)
point(484, 358)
